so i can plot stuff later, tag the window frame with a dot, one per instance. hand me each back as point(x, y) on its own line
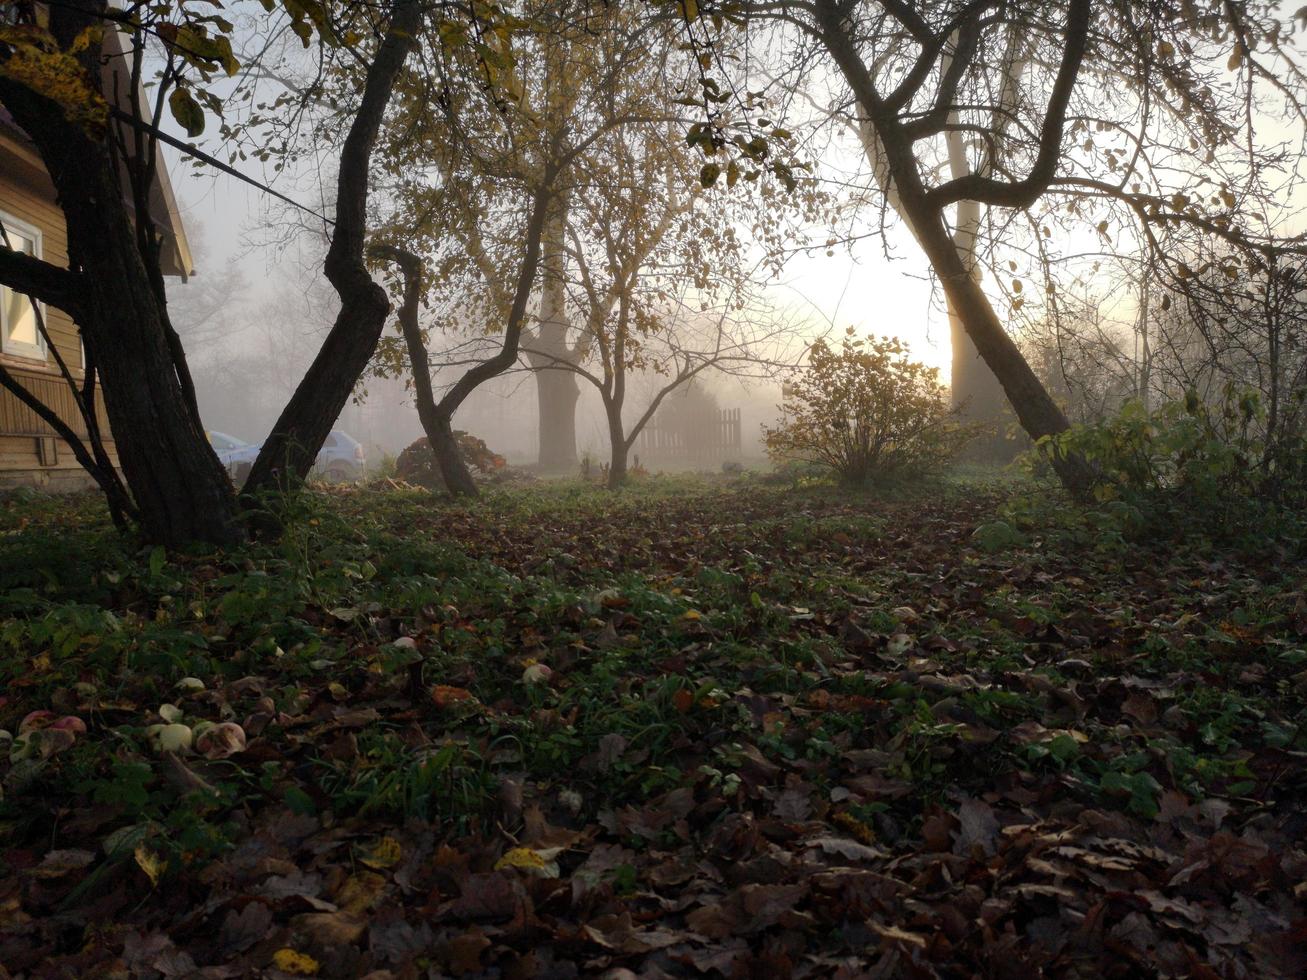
point(39, 352)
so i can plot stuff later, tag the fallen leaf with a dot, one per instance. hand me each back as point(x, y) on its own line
point(384, 853)
point(850, 850)
point(151, 863)
point(329, 929)
point(445, 696)
point(978, 828)
point(529, 860)
point(288, 960)
point(56, 864)
point(242, 929)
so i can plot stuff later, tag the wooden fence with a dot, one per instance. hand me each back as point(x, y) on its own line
point(715, 436)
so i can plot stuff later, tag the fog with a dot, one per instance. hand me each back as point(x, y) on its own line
point(252, 323)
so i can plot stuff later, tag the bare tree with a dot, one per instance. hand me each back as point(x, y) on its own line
point(483, 198)
point(1028, 86)
point(662, 282)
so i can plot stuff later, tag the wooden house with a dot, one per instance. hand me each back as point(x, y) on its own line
point(31, 453)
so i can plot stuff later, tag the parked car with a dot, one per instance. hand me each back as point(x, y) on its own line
point(239, 461)
point(223, 443)
point(340, 460)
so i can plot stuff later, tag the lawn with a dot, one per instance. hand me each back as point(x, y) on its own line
point(696, 728)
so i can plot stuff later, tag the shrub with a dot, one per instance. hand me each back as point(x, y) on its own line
point(867, 412)
point(387, 468)
point(1188, 460)
point(417, 464)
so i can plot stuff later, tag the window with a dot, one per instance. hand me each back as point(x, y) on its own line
point(30, 13)
point(19, 333)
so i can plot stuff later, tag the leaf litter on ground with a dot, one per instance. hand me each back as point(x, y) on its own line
point(687, 730)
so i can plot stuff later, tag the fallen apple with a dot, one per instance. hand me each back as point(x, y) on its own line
point(170, 713)
point(170, 738)
point(537, 674)
point(220, 741)
point(34, 720)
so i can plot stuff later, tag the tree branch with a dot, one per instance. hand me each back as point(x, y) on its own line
point(1023, 193)
point(43, 280)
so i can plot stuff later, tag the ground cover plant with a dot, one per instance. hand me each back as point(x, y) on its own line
point(698, 728)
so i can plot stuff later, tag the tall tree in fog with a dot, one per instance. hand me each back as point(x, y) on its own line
point(644, 269)
point(659, 279)
point(482, 199)
point(1066, 110)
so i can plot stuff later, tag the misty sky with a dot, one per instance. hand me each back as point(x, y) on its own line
point(855, 287)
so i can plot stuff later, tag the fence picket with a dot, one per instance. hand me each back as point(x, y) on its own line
point(720, 438)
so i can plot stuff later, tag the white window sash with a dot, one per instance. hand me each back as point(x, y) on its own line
point(19, 348)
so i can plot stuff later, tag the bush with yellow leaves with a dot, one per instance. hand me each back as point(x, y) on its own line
point(868, 412)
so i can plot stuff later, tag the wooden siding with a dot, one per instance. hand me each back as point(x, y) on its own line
point(28, 454)
point(16, 419)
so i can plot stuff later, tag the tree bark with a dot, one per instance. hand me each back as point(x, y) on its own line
point(557, 394)
point(291, 449)
point(436, 422)
point(449, 457)
point(618, 442)
point(557, 390)
point(180, 490)
point(1036, 410)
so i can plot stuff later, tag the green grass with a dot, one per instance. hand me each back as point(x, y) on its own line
point(698, 633)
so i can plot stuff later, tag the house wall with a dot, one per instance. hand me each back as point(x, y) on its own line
point(30, 452)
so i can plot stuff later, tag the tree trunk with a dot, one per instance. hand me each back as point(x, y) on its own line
point(290, 451)
point(435, 418)
point(457, 477)
point(180, 490)
point(557, 394)
point(617, 440)
point(975, 389)
point(557, 390)
point(1036, 410)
